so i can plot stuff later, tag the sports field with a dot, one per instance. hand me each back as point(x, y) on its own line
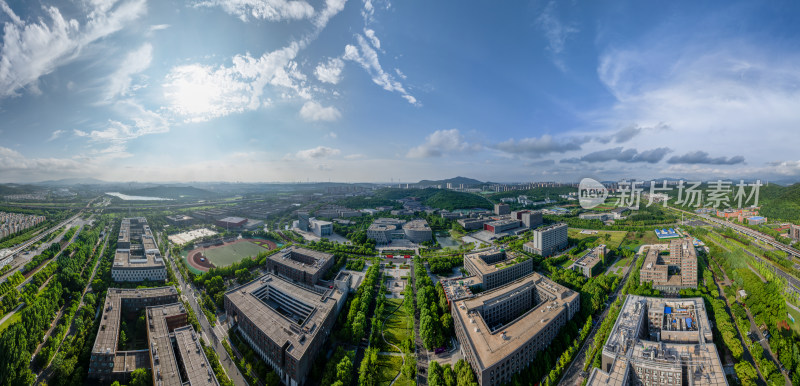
point(231, 253)
point(201, 259)
point(615, 237)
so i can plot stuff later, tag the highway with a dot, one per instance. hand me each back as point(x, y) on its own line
point(747, 231)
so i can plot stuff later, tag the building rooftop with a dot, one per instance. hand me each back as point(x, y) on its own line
point(107, 334)
point(491, 260)
point(662, 333)
point(302, 259)
point(592, 257)
point(550, 227)
point(233, 220)
point(491, 346)
point(260, 301)
point(417, 225)
point(125, 259)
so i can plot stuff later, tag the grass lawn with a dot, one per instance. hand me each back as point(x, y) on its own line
point(395, 330)
point(17, 316)
point(613, 242)
point(388, 368)
point(795, 314)
point(229, 254)
point(649, 237)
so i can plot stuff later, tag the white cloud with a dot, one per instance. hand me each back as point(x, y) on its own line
point(31, 50)
point(331, 71)
point(10, 12)
point(313, 111)
point(139, 122)
point(158, 27)
point(366, 56)
point(56, 134)
point(317, 153)
point(119, 83)
point(13, 165)
point(272, 10)
point(372, 38)
point(715, 97)
point(556, 32)
point(441, 142)
point(536, 147)
point(200, 93)
point(355, 156)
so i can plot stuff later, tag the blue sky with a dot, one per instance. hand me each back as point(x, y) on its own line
point(318, 90)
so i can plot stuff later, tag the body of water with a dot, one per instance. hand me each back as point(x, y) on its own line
point(136, 198)
point(446, 241)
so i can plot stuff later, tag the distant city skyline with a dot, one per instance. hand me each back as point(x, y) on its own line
point(375, 91)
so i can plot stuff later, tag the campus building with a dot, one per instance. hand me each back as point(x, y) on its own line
point(173, 352)
point(285, 323)
point(794, 232)
point(300, 264)
point(494, 267)
point(472, 224)
point(671, 268)
point(529, 219)
point(501, 209)
point(587, 263)
point(547, 240)
point(502, 330)
point(500, 226)
point(320, 228)
point(657, 341)
point(384, 230)
point(137, 257)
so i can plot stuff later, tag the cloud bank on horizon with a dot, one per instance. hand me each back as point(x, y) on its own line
point(373, 90)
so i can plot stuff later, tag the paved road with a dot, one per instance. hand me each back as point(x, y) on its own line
point(575, 374)
point(225, 360)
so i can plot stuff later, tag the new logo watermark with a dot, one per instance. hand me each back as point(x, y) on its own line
point(591, 193)
point(716, 194)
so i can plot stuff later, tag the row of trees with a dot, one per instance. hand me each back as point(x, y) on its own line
point(360, 305)
point(435, 321)
point(37, 260)
point(461, 375)
point(339, 369)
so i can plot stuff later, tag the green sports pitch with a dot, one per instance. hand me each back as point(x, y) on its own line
point(231, 253)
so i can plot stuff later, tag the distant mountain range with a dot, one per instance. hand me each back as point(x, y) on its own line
point(73, 181)
point(456, 181)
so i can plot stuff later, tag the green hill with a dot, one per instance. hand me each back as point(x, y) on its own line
point(456, 181)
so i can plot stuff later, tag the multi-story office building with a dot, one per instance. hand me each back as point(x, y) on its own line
point(595, 216)
point(300, 264)
point(303, 221)
point(530, 219)
point(657, 341)
point(494, 267)
point(547, 240)
point(670, 268)
point(587, 263)
point(794, 232)
point(502, 330)
point(173, 351)
point(285, 323)
point(501, 209)
point(137, 257)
